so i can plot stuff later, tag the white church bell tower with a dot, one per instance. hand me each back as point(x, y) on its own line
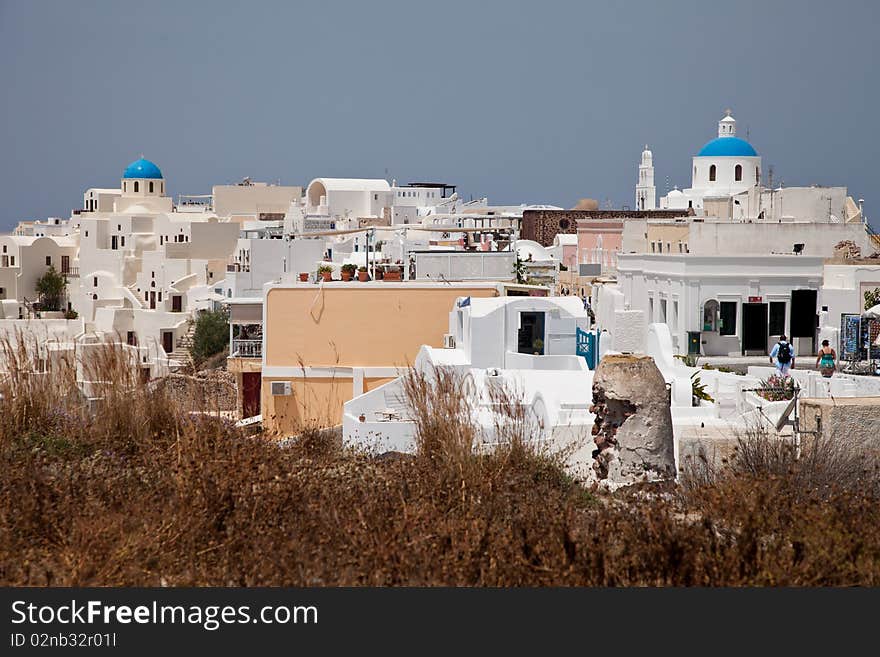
point(646, 193)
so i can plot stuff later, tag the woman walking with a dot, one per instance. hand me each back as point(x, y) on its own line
point(826, 360)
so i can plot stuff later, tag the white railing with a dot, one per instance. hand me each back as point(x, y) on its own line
point(247, 348)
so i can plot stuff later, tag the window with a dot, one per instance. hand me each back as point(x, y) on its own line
point(757, 174)
point(738, 173)
point(728, 318)
point(151, 187)
point(4, 248)
point(48, 261)
point(122, 239)
point(87, 233)
point(124, 187)
point(711, 174)
point(95, 281)
point(12, 261)
point(776, 324)
point(160, 295)
point(136, 185)
point(160, 240)
point(162, 187)
point(653, 247)
point(375, 197)
point(668, 247)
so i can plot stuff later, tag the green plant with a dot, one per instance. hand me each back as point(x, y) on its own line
point(519, 270)
point(70, 314)
point(538, 345)
point(872, 298)
point(698, 390)
point(211, 335)
point(324, 269)
point(362, 268)
point(51, 287)
point(350, 268)
point(690, 360)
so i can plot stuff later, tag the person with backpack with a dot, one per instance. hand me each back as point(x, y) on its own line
point(784, 356)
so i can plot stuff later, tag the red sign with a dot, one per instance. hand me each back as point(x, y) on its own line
point(756, 299)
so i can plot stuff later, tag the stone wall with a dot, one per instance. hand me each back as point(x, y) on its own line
point(543, 225)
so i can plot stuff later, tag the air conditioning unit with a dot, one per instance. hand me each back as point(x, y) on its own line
point(449, 341)
point(280, 388)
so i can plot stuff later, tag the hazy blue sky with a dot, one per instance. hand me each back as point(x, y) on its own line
point(523, 102)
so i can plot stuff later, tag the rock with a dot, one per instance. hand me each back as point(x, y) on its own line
point(633, 427)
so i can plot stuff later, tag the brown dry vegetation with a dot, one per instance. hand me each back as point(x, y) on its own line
point(138, 491)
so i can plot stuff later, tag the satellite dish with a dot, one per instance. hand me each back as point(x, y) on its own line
point(783, 419)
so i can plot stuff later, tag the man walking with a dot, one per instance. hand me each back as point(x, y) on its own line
point(782, 352)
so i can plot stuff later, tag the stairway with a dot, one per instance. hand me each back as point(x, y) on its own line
point(182, 353)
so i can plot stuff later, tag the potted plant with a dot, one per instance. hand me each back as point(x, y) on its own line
point(325, 272)
point(348, 271)
point(362, 274)
point(392, 274)
point(538, 346)
point(303, 277)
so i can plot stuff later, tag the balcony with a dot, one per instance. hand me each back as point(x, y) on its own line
point(70, 272)
point(247, 348)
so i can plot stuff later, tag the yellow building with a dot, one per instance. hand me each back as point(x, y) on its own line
point(324, 345)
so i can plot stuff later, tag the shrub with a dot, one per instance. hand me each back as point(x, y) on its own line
point(51, 288)
point(211, 335)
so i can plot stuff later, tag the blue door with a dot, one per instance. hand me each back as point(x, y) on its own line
point(586, 347)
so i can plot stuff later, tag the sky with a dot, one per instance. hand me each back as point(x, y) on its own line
point(522, 102)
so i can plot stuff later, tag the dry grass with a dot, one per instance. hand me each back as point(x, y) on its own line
point(139, 492)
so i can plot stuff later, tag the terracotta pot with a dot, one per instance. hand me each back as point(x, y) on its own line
point(392, 276)
point(363, 276)
point(346, 275)
point(327, 276)
point(303, 277)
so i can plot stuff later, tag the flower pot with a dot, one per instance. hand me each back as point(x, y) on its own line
point(303, 277)
point(327, 276)
point(392, 276)
point(363, 276)
point(346, 275)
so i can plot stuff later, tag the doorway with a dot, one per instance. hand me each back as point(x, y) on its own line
point(168, 341)
point(530, 338)
point(803, 316)
point(251, 383)
point(176, 303)
point(754, 329)
point(152, 301)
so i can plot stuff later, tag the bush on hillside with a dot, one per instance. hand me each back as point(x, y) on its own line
point(211, 335)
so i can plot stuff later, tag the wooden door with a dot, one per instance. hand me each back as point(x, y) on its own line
point(250, 393)
point(168, 341)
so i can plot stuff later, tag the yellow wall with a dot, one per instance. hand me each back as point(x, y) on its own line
point(370, 326)
point(363, 325)
point(667, 233)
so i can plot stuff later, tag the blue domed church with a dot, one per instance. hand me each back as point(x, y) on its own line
point(723, 167)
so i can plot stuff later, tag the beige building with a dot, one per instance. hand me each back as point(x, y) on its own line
point(323, 346)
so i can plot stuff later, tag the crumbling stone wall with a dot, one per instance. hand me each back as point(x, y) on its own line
point(542, 226)
point(633, 426)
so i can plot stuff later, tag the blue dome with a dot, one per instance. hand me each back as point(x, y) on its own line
point(727, 147)
point(142, 169)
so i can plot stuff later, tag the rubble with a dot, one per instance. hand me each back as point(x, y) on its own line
point(633, 427)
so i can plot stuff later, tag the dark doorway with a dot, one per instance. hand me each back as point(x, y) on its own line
point(65, 264)
point(754, 334)
point(168, 341)
point(803, 313)
point(530, 339)
point(250, 393)
point(176, 303)
point(114, 242)
point(152, 301)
